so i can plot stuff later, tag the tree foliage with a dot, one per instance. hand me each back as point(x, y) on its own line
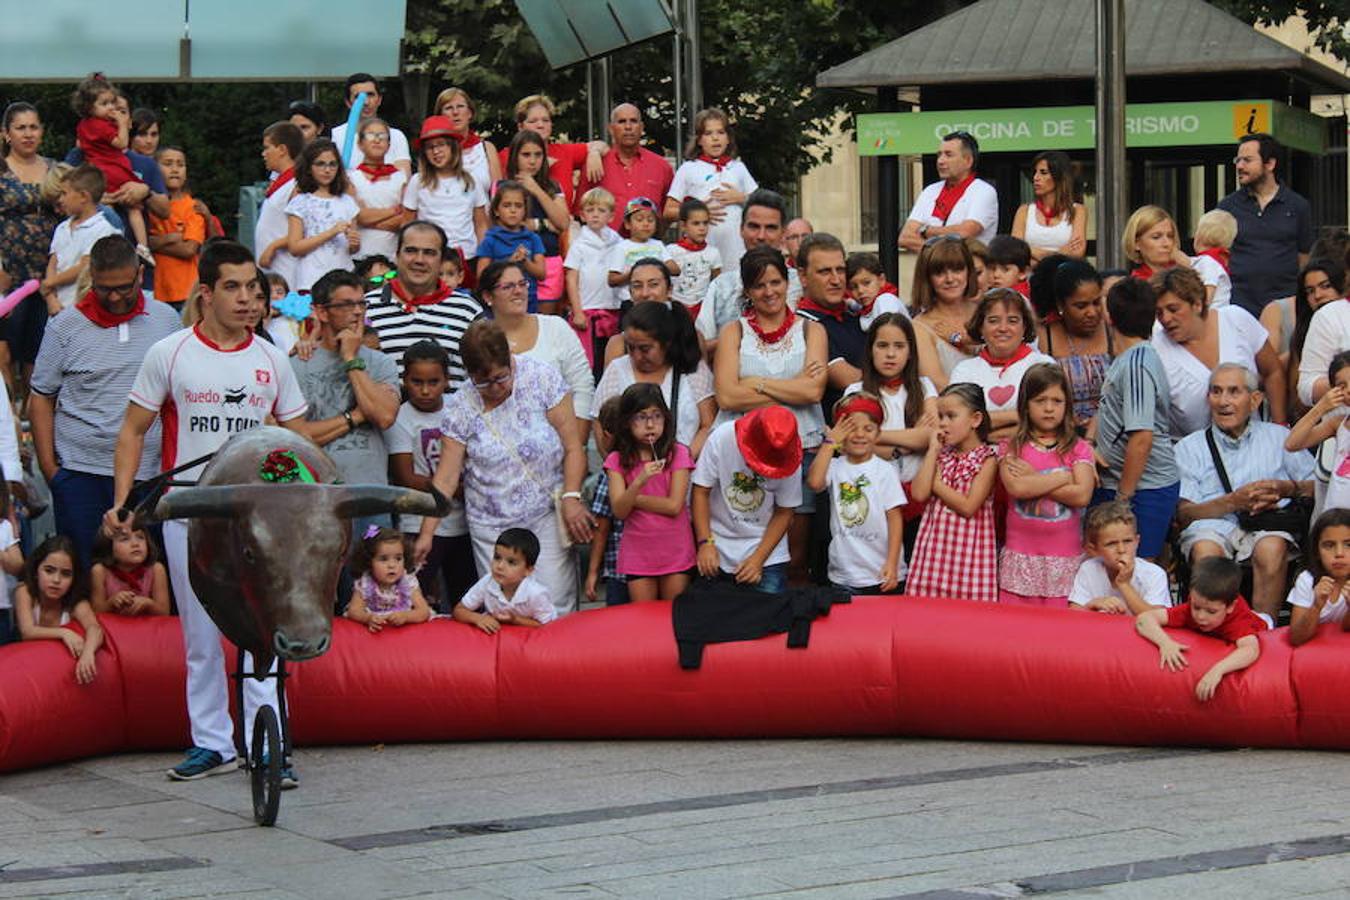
point(1328, 20)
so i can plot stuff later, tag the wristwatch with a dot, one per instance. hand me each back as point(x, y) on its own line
point(356, 364)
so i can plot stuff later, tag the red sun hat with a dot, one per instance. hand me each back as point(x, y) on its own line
point(434, 126)
point(768, 440)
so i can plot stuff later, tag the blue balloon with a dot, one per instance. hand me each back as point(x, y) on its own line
point(349, 140)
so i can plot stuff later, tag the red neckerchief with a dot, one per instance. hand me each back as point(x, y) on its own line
point(1219, 255)
point(717, 162)
point(95, 312)
point(1023, 287)
point(1004, 365)
point(690, 245)
point(887, 288)
point(893, 384)
point(131, 579)
point(468, 140)
point(410, 303)
point(837, 313)
point(1144, 271)
point(1050, 214)
point(771, 337)
point(280, 180)
point(375, 173)
point(949, 196)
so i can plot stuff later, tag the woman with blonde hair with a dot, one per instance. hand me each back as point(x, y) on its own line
point(1150, 241)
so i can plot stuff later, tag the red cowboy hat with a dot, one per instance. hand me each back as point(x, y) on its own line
point(768, 440)
point(434, 126)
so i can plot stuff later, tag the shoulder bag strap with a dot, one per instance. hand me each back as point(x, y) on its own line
point(1218, 463)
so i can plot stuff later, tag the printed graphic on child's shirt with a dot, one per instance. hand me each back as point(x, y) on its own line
point(1044, 508)
point(853, 506)
point(746, 492)
point(430, 441)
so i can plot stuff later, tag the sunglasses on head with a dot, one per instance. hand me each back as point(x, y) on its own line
point(939, 238)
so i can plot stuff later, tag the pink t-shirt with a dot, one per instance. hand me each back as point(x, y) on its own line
point(1041, 525)
point(653, 544)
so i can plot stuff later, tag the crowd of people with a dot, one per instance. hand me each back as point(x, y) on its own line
point(629, 375)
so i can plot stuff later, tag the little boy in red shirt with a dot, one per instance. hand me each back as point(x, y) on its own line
point(1214, 608)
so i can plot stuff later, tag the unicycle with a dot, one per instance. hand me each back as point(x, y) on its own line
point(264, 766)
point(271, 744)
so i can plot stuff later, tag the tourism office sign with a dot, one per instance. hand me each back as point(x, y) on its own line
point(1033, 129)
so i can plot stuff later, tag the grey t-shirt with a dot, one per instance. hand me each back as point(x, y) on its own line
point(361, 456)
point(1136, 397)
point(89, 370)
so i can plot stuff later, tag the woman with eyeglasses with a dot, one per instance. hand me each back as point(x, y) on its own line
point(510, 437)
point(1053, 222)
point(1193, 340)
point(321, 216)
point(503, 289)
point(944, 291)
point(481, 159)
point(379, 192)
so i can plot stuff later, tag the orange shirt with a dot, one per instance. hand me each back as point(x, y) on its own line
point(174, 277)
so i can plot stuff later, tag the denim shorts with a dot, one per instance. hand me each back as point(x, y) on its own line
point(1154, 509)
point(773, 579)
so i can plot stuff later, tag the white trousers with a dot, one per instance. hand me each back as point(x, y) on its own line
point(208, 694)
point(555, 570)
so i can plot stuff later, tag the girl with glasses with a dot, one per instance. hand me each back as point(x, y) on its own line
point(379, 188)
point(321, 216)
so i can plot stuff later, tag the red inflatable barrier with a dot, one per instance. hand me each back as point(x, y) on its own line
point(882, 665)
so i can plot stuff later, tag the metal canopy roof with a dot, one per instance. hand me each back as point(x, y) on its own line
point(1055, 40)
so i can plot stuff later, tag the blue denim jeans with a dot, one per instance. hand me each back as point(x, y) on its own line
point(79, 500)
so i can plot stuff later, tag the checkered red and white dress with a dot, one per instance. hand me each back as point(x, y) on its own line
point(955, 556)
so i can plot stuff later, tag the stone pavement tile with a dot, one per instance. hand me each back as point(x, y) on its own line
point(541, 848)
point(705, 883)
point(175, 885)
point(168, 818)
point(78, 791)
point(1325, 877)
point(250, 848)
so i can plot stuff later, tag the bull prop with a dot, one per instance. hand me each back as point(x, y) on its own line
point(268, 535)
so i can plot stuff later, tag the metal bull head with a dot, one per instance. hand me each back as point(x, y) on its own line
point(264, 557)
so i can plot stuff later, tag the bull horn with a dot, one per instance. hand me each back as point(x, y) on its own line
point(373, 499)
point(219, 502)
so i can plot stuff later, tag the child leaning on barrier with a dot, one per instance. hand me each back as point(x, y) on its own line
point(1215, 609)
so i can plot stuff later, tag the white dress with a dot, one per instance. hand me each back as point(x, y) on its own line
point(380, 194)
point(782, 360)
point(559, 346)
point(1241, 337)
point(1048, 237)
point(698, 179)
point(318, 214)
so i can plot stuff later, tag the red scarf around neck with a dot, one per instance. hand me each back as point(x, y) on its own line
point(1143, 270)
point(949, 196)
point(377, 172)
point(1219, 255)
point(837, 313)
point(717, 162)
point(439, 293)
point(280, 181)
point(1003, 365)
point(690, 245)
point(468, 140)
point(893, 384)
point(131, 579)
point(887, 288)
point(1049, 213)
point(771, 337)
point(95, 312)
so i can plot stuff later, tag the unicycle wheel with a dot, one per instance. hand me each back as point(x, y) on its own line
point(265, 766)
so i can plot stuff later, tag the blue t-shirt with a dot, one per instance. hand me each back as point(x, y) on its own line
point(500, 243)
point(1136, 397)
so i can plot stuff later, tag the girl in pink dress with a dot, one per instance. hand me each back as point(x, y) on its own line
point(127, 577)
point(954, 555)
point(648, 488)
point(1049, 474)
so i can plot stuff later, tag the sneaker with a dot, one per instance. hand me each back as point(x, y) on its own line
point(199, 763)
point(289, 780)
point(146, 256)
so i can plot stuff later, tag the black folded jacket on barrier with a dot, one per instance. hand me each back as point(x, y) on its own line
point(718, 610)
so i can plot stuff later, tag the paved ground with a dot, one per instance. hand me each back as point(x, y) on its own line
point(800, 819)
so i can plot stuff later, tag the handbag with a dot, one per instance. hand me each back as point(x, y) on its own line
point(555, 495)
point(1292, 518)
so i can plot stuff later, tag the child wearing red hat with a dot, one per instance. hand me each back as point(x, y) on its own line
point(747, 486)
point(866, 527)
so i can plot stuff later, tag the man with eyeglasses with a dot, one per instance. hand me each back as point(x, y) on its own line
point(1275, 227)
point(958, 203)
point(88, 361)
point(398, 155)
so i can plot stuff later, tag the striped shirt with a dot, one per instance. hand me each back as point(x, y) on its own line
point(444, 323)
point(1136, 397)
point(90, 370)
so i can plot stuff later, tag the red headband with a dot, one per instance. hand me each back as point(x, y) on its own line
point(857, 403)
